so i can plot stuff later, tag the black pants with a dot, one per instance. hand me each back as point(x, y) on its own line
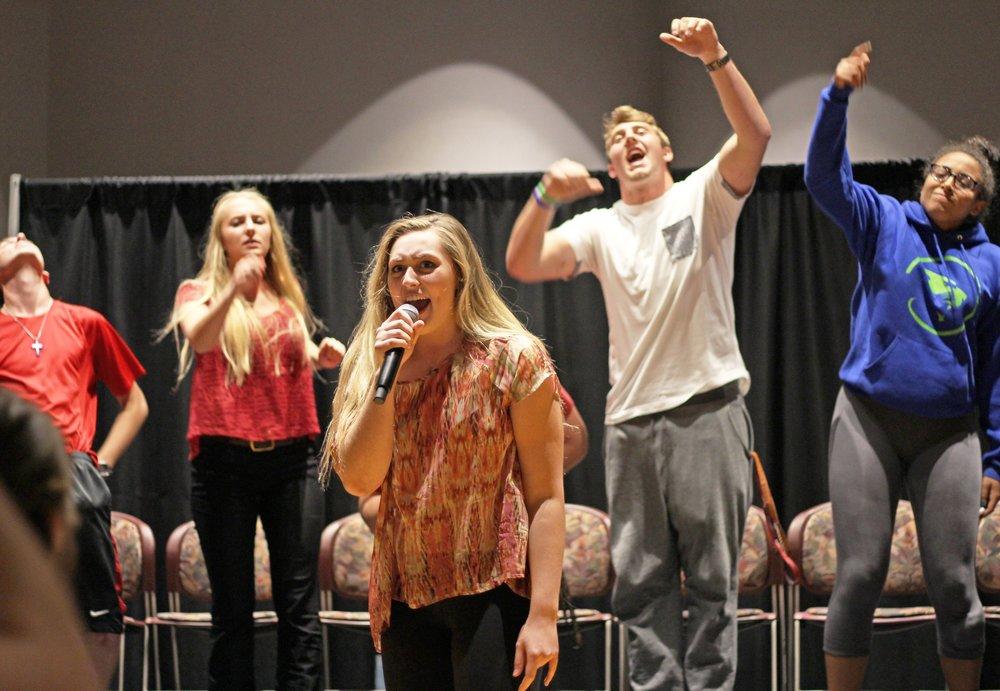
point(231, 486)
point(463, 642)
point(96, 579)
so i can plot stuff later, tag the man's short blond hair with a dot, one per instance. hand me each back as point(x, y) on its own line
point(627, 113)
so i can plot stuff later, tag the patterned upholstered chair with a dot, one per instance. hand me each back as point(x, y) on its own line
point(760, 569)
point(137, 553)
point(587, 573)
point(345, 557)
point(988, 563)
point(813, 546)
point(187, 579)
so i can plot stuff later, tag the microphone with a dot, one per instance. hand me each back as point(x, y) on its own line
point(390, 365)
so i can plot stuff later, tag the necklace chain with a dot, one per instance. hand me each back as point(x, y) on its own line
point(36, 341)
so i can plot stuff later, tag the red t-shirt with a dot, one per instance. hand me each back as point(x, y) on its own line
point(79, 349)
point(267, 406)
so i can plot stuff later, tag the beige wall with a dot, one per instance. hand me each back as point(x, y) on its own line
point(118, 87)
point(24, 91)
point(235, 87)
point(933, 74)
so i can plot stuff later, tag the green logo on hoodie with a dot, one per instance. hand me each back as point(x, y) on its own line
point(943, 286)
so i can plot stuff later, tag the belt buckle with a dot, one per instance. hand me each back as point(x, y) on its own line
point(261, 446)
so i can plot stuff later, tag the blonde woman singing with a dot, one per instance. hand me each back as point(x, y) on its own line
point(467, 453)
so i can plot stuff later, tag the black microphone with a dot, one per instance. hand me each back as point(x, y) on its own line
point(390, 365)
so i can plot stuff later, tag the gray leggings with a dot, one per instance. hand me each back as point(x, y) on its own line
point(874, 452)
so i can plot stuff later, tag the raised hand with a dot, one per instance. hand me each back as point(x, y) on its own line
point(247, 275)
point(853, 70)
point(566, 181)
point(696, 37)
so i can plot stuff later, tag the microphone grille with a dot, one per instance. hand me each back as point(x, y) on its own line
point(410, 310)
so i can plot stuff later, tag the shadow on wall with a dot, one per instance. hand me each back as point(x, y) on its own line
point(881, 126)
point(466, 117)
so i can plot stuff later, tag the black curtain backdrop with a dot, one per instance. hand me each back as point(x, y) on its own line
point(122, 246)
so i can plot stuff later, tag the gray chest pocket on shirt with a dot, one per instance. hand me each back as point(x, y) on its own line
point(680, 238)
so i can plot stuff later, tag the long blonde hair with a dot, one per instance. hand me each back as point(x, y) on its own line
point(243, 326)
point(480, 312)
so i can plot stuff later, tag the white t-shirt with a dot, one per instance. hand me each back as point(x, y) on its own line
point(666, 270)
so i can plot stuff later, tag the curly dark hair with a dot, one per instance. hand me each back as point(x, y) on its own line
point(985, 153)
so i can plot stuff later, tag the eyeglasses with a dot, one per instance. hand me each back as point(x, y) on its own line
point(962, 181)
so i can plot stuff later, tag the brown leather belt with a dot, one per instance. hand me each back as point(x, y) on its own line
point(256, 446)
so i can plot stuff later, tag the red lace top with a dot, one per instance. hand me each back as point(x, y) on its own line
point(267, 406)
point(452, 519)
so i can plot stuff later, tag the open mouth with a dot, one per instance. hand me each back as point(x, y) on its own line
point(421, 305)
point(635, 156)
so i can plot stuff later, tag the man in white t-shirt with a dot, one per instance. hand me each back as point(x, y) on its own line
point(677, 435)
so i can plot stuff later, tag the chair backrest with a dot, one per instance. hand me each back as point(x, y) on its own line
point(587, 570)
point(345, 557)
point(814, 547)
point(759, 566)
point(136, 552)
point(186, 572)
point(988, 554)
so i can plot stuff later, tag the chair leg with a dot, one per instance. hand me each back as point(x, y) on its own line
point(622, 657)
point(121, 659)
point(795, 655)
point(780, 607)
point(774, 656)
point(607, 655)
point(156, 657)
point(177, 666)
point(326, 657)
point(145, 658)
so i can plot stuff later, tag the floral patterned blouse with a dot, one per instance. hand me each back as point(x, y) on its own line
point(452, 519)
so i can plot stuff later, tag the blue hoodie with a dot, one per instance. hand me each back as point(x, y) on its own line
point(925, 316)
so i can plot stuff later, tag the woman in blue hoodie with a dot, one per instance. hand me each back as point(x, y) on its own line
point(921, 378)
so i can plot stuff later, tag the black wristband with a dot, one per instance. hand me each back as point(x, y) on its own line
point(718, 64)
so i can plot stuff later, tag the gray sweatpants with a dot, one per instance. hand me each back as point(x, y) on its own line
point(679, 486)
point(874, 452)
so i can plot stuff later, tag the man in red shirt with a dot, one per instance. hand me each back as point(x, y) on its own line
point(53, 354)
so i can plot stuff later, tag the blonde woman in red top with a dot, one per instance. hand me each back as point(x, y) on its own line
point(467, 454)
point(247, 328)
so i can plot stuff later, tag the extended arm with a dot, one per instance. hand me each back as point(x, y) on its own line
point(537, 421)
point(743, 152)
point(532, 254)
point(125, 426)
point(828, 176)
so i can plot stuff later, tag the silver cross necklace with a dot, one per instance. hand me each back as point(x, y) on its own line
point(36, 341)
